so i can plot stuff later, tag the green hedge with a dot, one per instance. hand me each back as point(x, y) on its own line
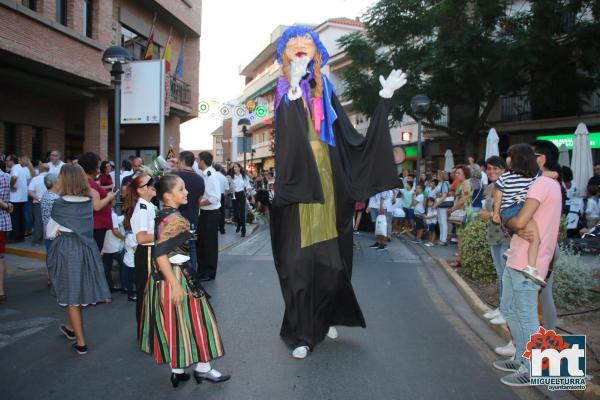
point(475, 254)
point(572, 280)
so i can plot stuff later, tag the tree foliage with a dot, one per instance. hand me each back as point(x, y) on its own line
point(465, 55)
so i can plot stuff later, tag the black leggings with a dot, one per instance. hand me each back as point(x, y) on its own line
point(239, 208)
point(99, 235)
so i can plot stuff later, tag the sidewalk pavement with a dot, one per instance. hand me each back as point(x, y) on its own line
point(25, 258)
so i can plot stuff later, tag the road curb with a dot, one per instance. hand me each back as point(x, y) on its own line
point(40, 255)
point(474, 301)
point(591, 392)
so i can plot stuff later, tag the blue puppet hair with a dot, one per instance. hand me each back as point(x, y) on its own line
point(298, 30)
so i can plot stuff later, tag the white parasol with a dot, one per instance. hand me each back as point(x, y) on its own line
point(491, 145)
point(582, 164)
point(563, 156)
point(449, 163)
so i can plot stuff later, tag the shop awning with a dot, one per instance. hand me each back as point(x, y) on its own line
point(264, 90)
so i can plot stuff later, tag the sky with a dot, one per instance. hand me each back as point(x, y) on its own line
point(233, 32)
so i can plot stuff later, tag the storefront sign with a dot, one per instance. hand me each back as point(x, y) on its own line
point(567, 140)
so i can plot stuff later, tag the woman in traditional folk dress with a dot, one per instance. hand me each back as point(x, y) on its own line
point(178, 323)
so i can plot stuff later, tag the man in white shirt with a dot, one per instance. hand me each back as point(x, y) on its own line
point(19, 179)
point(484, 177)
point(208, 223)
point(55, 163)
point(224, 185)
point(36, 190)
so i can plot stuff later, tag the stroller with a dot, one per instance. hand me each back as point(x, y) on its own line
point(589, 243)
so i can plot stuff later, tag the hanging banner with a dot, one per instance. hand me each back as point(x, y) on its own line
point(167, 94)
point(142, 92)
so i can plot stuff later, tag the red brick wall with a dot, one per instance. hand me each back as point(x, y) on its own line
point(53, 139)
point(39, 42)
point(96, 128)
point(24, 142)
point(191, 16)
point(47, 8)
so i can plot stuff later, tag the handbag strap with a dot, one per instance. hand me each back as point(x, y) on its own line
point(477, 195)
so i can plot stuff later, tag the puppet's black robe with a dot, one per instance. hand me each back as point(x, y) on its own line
point(315, 279)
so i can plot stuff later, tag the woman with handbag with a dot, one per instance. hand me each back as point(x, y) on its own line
point(241, 185)
point(460, 212)
point(178, 323)
point(444, 202)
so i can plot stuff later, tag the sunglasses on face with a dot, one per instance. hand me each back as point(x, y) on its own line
point(149, 184)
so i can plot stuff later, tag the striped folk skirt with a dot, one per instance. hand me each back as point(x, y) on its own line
point(179, 335)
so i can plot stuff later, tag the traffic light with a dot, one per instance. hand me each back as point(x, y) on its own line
point(406, 136)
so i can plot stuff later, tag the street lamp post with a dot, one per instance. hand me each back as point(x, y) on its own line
point(244, 123)
point(116, 56)
point(419, 105)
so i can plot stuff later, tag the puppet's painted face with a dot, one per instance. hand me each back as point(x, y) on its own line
point(299, 46)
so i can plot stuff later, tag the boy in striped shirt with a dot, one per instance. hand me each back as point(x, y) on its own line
point(509, 197)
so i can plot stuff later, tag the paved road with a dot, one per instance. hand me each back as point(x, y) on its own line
point(422, 341)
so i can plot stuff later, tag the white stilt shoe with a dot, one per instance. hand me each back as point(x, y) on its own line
point(300, 352)
point(332, 333)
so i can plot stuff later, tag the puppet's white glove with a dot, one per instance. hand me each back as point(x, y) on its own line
point(395, 80)
point(297, 71)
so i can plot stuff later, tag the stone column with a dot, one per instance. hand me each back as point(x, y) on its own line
point(96, 127)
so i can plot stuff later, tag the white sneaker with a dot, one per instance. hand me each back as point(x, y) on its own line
point(492, 314)
point(508, 350)
point(332, 333)
point(300, 352)
point(499, 320)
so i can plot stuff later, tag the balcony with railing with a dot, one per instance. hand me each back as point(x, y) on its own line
point(181, 92)
point(515, 108)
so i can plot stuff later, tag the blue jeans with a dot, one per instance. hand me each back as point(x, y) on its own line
point(29, 214)
point(510, 212)
point(519, 305)
point(48, 243)
point(499, 263)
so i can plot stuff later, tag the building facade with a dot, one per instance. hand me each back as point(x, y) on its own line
point(54, 89)
point(217, 146)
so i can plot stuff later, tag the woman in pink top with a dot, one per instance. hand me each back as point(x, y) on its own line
point(519, 303)
point(101, 199)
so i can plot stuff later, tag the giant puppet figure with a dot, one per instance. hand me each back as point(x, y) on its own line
point(323, 166)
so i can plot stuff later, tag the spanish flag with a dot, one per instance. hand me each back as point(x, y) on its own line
point(150, 48)
point(168, 52)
